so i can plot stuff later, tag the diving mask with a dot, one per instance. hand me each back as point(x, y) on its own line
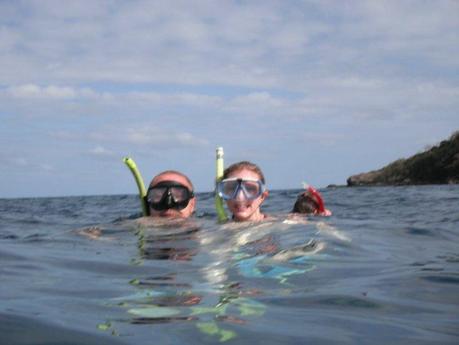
point(169, 195)
point(229, 188)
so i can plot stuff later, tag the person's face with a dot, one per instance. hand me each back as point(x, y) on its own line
point(173, 213)
point(241, 208)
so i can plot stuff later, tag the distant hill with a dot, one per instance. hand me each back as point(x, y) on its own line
point(438, 165)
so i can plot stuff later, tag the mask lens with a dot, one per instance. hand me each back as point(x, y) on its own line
point(156, 194)
point(179, 193)
point(229, 187)
point(252, 189)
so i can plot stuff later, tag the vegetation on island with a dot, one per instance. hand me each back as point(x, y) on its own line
point(437, 165)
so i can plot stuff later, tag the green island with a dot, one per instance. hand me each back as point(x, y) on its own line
point(437, 165)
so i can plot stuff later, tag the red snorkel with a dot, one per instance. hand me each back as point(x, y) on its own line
point(318, 198)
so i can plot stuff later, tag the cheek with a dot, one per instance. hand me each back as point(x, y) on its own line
point(153, 212)
point(187, 211)
point(230, 204)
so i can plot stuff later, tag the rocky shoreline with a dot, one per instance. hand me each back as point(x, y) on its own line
point(438, 165)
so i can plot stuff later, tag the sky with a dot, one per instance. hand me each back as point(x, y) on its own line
point(312, 91)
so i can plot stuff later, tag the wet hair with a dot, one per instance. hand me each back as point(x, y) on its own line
point(175, 172)
point(305, 203)
point(244, 165)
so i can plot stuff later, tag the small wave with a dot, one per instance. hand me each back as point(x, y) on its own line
point(128, 217)
point(443, 279)
point(34, 238)
point(171, 253)
point(453, 258)
point(206, 215)
point(7, 256)
point(420, 232)
point(342, 301)
point(159, 281)
point(349, 301)
point(158, 320)
point(8, 237)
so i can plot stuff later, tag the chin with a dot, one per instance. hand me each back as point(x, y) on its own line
point(170, 214)
point(241, 217)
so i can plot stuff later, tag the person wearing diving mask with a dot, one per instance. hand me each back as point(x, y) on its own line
point(243, 189)
point(171, 195)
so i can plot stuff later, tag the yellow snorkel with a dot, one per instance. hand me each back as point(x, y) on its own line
point(221, 214)
point(140, 185)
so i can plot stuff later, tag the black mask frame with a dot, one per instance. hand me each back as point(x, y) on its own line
point(167, 200)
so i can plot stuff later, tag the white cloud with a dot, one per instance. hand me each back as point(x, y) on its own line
point(49, 94)
point(336, 97)
point(156, 137)
point(32, 91)
point(65, 135)
point(24, 91)
point(59, 92)
point(26, 164)
point(256, 103)
point(46, 167)
point(147, 136)
point(101, 151)
point(20, 161)
point(175, 99)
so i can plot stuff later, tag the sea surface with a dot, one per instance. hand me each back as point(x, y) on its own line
point(383, 269)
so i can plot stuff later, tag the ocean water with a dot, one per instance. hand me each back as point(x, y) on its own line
point(384, 269)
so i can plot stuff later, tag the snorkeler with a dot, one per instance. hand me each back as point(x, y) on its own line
point(243, 189)
point(310, 202)
point(170, 198)
point(171, 195)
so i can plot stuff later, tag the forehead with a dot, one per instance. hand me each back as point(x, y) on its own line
point(170, 177)
point(244, 174)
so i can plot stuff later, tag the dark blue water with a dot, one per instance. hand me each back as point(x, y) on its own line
point(384, 269)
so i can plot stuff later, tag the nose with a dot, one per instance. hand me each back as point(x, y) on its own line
point(169, 200)
point(240, 194)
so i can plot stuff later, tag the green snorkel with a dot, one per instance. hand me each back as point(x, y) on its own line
point(221, 214)
point(140, 185)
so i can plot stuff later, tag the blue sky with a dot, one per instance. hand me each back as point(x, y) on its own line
point(311, 91)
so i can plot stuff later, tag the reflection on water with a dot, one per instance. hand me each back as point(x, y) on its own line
point(166, 242)
point(209, 272)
